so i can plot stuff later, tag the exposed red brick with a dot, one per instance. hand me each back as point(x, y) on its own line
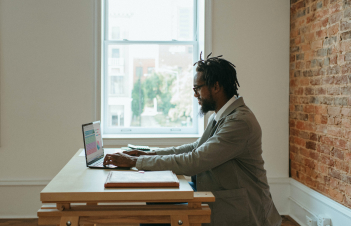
point(300, 65)
point(333, 29)
point(317, 44)
point(316, 26)
point(341, 59)
point(340, 143)
point(348, 190)
point(341, 80)
point(308, 108)
point(320, 96)
point(333, 111)
point(318, 119)
point(333, 90)
point(335, 131)
point(347, 156)
point(323, 148)
point(320, 91)
point(305, 152)
point(343, 167)
point(345, 46)
point(335, 173)
point(322, 13)
point(334, 183)
point(310, 126)
point(300, 125)
point(321, 168)
point(300, 141)
point(304, 82)
point(335, 18)
point(320, 109)
point(336, 195)
point(328, 80)
point(347, 201)
point(291, 123)
point(346, 112)
point(321, 129)
point(337, 153)
point(331, 121)
point(335, 8)
point(322, 33)
point(327, 140)
point(347, 124)
point(311, 145)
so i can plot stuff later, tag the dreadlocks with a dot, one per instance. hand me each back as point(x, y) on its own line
point(219, 70)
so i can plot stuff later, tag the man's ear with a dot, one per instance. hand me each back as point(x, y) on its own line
point(216, 87)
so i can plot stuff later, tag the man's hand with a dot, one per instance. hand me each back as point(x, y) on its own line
point(120, 159)
point(138, 153)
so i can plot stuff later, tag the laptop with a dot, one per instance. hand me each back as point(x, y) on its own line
point(94, 152)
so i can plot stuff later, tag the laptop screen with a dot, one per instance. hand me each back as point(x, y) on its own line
point(92, 140)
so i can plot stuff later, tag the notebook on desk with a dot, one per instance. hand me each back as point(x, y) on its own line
point(141, 179)
point(94, 152)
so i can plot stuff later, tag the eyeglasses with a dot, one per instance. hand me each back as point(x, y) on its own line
point(196, 88)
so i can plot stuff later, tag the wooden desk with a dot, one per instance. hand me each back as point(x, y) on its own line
point(77, 195)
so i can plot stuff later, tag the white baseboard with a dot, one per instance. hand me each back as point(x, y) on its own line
point(305, 201)
point(280, 190)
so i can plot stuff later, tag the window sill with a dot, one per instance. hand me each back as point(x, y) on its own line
point(155, 140)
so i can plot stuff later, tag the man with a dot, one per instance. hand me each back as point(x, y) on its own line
point(227, 159)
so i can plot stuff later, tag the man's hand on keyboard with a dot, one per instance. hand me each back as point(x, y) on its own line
point(120, 159)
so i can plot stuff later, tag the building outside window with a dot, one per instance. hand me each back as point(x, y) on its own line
point(149, 51)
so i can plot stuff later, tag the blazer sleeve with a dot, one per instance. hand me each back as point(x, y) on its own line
point(229, 141)
point(177, 150)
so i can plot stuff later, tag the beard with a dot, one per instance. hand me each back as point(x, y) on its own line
point(207, 105)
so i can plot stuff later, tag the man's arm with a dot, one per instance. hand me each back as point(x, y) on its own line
point(177, 150)
point(229, 142)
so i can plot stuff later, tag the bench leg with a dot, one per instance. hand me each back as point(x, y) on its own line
point(177, 220)
point(65, 221)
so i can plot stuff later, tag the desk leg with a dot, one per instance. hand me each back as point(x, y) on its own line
point(177, 220)
point(91, 204)
point(64, 221)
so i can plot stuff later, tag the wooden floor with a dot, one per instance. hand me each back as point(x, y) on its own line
point(287, 221)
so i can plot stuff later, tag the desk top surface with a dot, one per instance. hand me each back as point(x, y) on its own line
point(78, 183)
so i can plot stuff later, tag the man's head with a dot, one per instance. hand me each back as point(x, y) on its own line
point(214, 83)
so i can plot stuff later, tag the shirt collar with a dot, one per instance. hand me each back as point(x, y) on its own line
point(219, 114)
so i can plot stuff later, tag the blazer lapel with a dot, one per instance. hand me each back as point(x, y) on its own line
point(209, 131)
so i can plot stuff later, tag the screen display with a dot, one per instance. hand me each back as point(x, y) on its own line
point(93, 141)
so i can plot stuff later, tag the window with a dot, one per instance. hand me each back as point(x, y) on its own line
point(149, 47)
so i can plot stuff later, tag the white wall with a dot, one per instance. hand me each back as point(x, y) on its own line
point(254, 35)
point(47, 81)
point(47, 84)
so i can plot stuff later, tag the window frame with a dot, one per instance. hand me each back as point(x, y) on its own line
point(104, 107)
point(204, 8)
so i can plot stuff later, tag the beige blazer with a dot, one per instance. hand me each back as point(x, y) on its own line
point(227, 160)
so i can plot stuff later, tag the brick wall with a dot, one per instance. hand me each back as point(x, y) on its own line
point(320, 96)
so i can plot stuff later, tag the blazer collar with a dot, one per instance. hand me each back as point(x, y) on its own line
point(237, 103)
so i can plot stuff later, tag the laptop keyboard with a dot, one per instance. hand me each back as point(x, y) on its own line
point(98, 162)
